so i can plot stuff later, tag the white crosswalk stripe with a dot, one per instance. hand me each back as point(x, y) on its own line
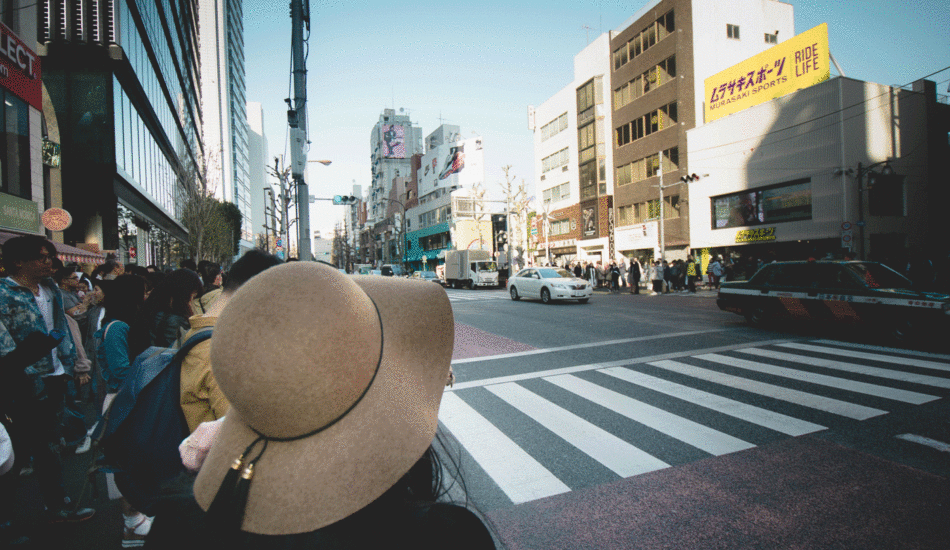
point(475, 295)
point(823, 380)
point(522, 477)
point(606, 448)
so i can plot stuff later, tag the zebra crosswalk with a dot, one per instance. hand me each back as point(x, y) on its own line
point(464, 295)
point(642, 416)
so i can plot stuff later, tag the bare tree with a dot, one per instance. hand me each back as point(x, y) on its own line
point(210, 223)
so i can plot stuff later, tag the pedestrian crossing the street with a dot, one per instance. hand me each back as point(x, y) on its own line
point(631, 418)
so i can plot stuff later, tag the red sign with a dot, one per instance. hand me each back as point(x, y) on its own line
point(20, 68)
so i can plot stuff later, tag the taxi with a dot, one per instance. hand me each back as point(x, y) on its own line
point(848, 291)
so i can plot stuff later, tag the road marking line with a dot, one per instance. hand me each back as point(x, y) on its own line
point(583, 346)
point(822, 379)
point(702, 437)
point(736, 409)
point(923, 379)
point(884, 349)
point(939, 445)
point(827, 404)
point(518, 475)
point(872, 357)
point(616, 454)
point(597, 366)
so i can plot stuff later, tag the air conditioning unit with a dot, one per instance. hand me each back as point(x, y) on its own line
point(542, 177)
point(564, 168)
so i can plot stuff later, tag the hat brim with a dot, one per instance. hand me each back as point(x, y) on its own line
point(303, 485)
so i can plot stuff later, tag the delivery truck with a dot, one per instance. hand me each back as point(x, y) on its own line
point(470, 269)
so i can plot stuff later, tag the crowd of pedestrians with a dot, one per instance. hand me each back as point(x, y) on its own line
point(657, 277)
point(67, 337)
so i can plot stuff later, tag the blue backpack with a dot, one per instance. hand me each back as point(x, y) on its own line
point(140, 433)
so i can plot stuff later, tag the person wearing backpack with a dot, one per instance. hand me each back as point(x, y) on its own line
point(201, 398)
point(122, 306)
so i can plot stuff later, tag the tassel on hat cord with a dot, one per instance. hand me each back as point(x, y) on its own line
point(226, 511)
point(227, 508)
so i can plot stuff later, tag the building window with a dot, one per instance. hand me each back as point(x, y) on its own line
point(557, 193)
point(15, 144)
point(556, 160)
point(732, 31)
point(554, 127)
point(785, 202)
point(585, 97)
point(641, 42)
point(771, 38)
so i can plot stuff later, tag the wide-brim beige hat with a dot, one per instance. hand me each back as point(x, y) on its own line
point(342, 376)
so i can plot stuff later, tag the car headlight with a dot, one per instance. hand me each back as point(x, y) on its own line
point(559, 286)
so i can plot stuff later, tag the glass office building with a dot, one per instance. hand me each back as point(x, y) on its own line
point(122, 77)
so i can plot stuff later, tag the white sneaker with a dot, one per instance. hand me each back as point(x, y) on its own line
point(84, 446)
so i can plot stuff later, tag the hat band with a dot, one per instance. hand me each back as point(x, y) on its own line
point(226, 511)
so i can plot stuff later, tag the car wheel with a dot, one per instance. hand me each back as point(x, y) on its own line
point(756, 317)
point(545, 296)
point(584, 300)
point(514, 294)
point(902, 330)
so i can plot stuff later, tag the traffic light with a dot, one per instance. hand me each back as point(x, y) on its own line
point(344, 199)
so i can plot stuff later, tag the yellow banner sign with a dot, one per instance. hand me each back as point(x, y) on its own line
point(797, 63)
point(755, 235)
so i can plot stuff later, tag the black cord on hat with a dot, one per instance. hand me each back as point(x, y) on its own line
point(226, 511)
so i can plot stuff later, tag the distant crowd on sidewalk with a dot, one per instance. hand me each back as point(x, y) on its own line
point(68, 337)
point(686, 276)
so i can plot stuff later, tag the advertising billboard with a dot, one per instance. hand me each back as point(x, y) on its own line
point(20, 68)
point(457, 164)
point(797, 63)
point(393, 137)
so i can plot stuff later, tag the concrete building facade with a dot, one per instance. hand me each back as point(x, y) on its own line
point(660, 59)
point(224, 107)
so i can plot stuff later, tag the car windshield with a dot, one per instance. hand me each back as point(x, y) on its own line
point(879, 276)
point(427, 274)
point(550, 273)
point(487, 266)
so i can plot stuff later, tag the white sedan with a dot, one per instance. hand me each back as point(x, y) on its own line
point(549, 283)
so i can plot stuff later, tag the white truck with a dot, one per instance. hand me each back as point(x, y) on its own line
point(470, 268)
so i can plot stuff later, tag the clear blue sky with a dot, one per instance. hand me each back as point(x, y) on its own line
point(479, 65)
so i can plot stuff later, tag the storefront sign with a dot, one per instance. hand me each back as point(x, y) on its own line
point(19, 214)
point(20, 68)
point(760, 234)
point(797, 63)
point(56, 219)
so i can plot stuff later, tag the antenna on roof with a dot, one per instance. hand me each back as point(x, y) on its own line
point(587, 29)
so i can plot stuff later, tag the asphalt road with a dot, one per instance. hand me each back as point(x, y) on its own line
point(661, 422)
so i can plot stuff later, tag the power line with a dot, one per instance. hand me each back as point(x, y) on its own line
point(826, 115)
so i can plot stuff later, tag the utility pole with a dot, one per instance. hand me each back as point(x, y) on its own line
point(297, 120)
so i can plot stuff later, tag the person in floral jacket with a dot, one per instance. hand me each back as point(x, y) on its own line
point(37, 357)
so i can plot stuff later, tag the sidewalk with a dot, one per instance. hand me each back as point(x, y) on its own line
point(703, 292)
point(102, 531)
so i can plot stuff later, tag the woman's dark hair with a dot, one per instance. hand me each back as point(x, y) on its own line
point(24, 249)
point(209, 271)
point(124, 298)
point(173, 294)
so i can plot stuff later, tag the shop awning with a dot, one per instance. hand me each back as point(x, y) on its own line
point(65, 252)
